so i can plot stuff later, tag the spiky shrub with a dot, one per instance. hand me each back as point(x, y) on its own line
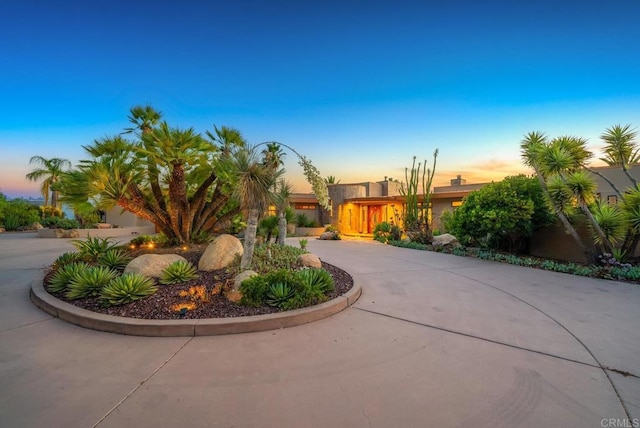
point(278, 294)
point(90, 282)
point(93, 248)
point(65, 259)
point(177, 272)
point(114, 259)
point(271, 258)
point(59, 281)
point(318, 279)
point(255, 289)
point(128, 288)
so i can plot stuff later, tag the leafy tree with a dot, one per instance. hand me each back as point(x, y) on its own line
point(501, 215)
point(50, 172)
point(175, 178)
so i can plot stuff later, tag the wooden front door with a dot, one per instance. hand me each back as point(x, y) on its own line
point(375, 217)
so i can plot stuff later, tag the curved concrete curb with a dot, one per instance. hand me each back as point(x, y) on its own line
point(198, 327)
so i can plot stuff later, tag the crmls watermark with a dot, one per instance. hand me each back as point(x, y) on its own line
point(620, 423)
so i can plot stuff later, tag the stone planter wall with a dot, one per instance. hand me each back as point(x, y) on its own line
point(309, 231)
point(96, 233)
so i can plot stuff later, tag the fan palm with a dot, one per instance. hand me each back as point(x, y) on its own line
point(51, 171)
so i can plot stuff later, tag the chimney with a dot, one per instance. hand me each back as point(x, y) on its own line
point(458, 181)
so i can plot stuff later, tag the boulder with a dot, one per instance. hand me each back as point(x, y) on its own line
point(2, 230)
point(309, 260)
point(327, 236)
point(234, 294)
point(445, 241)
point(103, 226)
point(36, 226)
point(152, 264)
point(220, 253)
point(67, 233)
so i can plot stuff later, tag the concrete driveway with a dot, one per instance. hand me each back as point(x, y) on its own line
point(435, 340)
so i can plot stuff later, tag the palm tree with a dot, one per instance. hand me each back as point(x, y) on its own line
point(172, 177)
point(621, 148)
point(255, 179)
point(534, 150)
point(51, 171)
point(330, 179)
point(282, 200)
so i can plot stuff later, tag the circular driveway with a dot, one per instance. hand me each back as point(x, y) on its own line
point(435, 340)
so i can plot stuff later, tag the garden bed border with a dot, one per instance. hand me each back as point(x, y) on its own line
point(188, 327)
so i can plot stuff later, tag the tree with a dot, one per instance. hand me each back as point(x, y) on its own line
point(255, 179)
point(175, 178)
point(330, 179)
point(534, 150)
point(51, 171)
point(501, 215)
point(621, 149)
point(282, 200)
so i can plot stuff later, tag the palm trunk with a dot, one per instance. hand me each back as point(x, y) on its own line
point(250, 238)
point(563, 219)
point(596, 227)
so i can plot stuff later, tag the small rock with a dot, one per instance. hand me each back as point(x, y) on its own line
point(104, 226)
point(309, 260)
point(2, 230)
point(242, 276)
point(445, 241)
point(327, 236)
point(152, 264)
point(220, 253)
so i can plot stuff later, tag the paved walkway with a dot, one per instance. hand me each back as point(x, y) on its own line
point(435, 340)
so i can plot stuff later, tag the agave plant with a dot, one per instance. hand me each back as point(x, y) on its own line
point(114, 259)
point(65, 259)
point(93, 248)
point(179, 271)
point(128, 288)
point(60, 280)
point(317, 279)
point(90, 282)
point(278, 294)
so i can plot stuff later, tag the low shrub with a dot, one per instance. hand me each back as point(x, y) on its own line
point(65, 259)
point(93, 248)
point(268, 258)
point(128, 288)
point(90, 282)
point(114, 258)
point(177, 272)
point(287, 289)
point(59, 281)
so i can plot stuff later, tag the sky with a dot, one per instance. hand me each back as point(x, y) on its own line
point(359, 87)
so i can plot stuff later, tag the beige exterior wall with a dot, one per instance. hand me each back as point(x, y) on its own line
point(116, 217)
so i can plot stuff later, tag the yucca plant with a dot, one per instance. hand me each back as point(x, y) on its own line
point(65, 259)
point(59, 281)
point(93, 248)
point(177, 272)
point(317, 279)
point(90, 282)
point(128, 288)
point(114, 259)
point(278, 294)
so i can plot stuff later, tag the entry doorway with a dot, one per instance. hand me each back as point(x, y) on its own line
point(374, 217)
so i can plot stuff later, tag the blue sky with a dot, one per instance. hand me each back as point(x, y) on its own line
point(357, 86)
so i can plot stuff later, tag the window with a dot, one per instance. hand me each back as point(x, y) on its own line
point(612, 199)
point(456, 204)
point(304, 207)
